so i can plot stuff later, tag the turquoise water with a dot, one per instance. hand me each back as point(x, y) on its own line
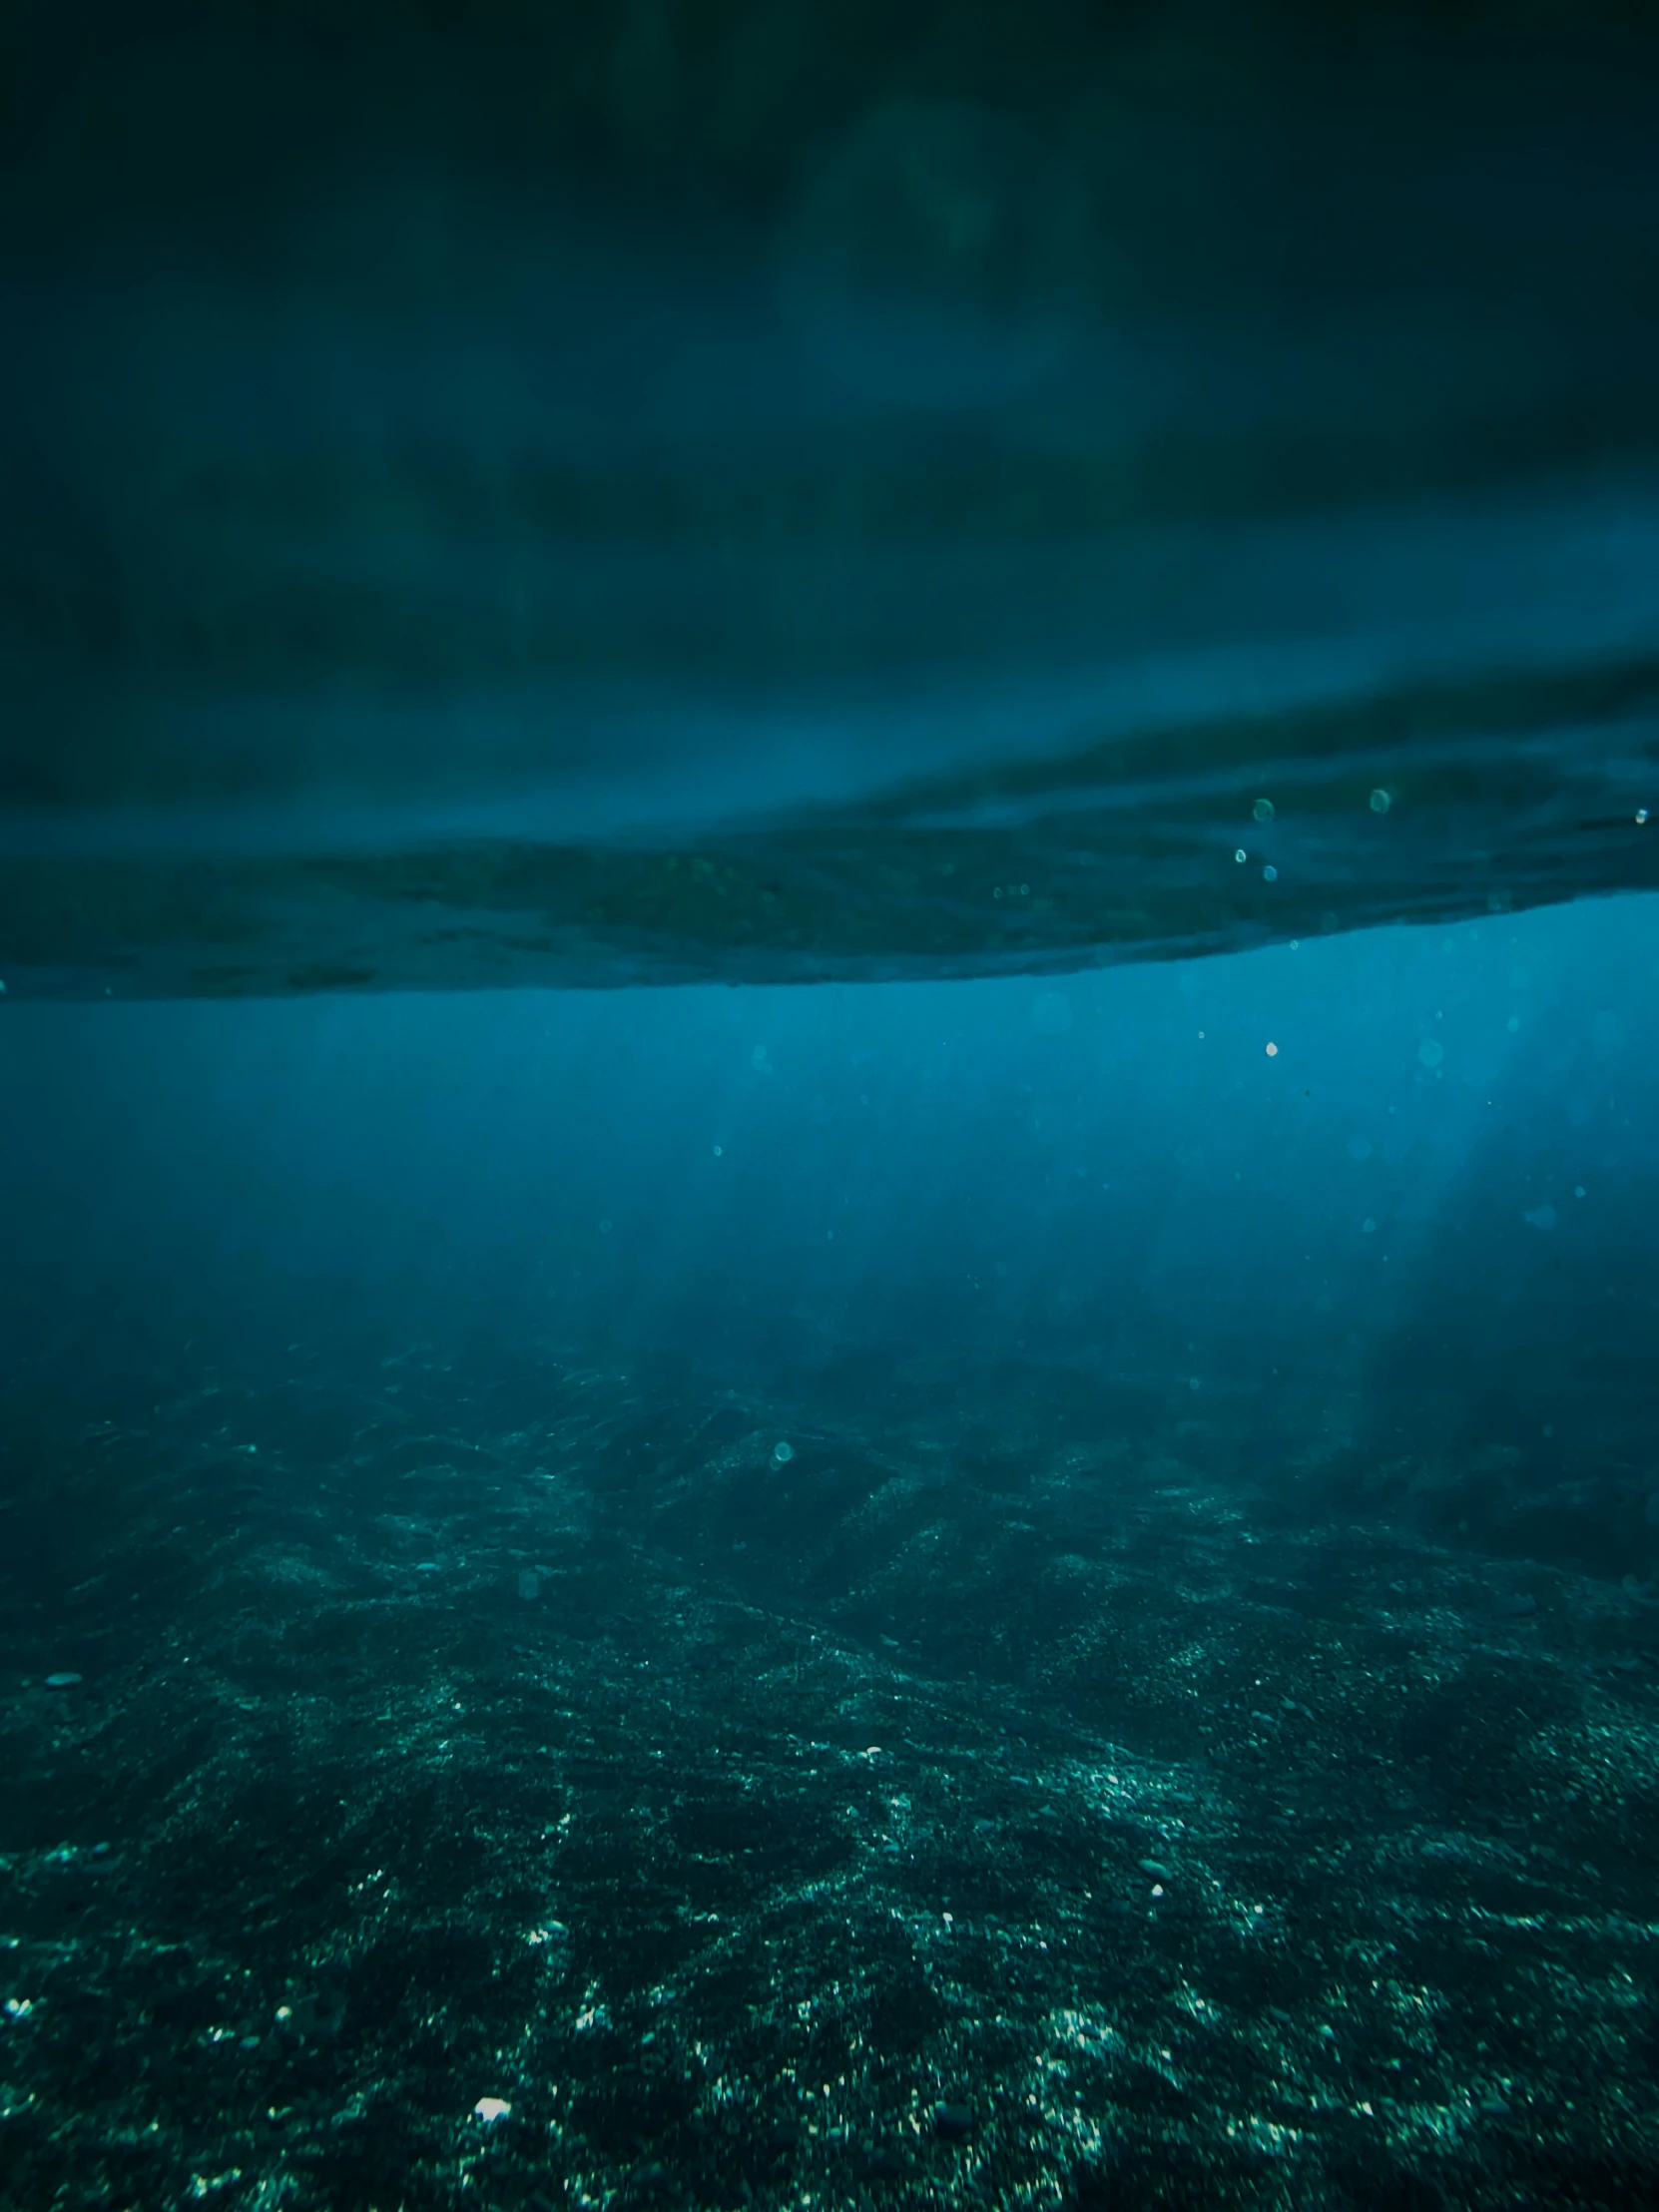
point(888, 1593)
point(827, 1168)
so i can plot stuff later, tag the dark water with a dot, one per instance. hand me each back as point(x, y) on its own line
point(742, 1569)
point(1002, 1548)
point(648, 492)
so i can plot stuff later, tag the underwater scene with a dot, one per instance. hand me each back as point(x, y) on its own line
point(829, 1106)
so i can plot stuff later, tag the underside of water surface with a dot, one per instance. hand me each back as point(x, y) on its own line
point(637, 494)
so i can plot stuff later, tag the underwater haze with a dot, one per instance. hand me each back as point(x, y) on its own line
point(1009, 1591)
point(829, 1056)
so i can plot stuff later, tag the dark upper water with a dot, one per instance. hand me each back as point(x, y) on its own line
point(1003, 1546)
point(626, 493)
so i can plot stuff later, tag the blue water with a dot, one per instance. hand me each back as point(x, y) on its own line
point(829, 966)
point(889, 1591)
point(1323, 1151)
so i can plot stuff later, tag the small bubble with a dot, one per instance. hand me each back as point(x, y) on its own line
point(1380, 801)
point(1578, 1190)
point(1641, 817)
point(781, 1454)
point(1262, 810)
point(1430, 1052)
point(1272, 1051)
point(1269, 875)
point(1367, 1227)
point(716, 1151)
point(1240, 856)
